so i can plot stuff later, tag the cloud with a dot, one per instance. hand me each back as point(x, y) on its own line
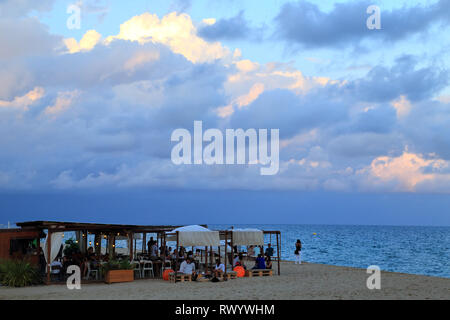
point(89, 41)
point(174, 30)
point(20, 8)
point(383, 84)
point(100, 115)
point(24, 101)
point(407, 171)
point(233, 28)
point(304, 25)
point(26, 37)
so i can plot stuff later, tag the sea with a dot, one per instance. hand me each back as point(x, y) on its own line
point(406, 249)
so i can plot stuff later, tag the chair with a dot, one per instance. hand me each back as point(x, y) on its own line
point(148, 266)
point(137, 267)
point(91, 271)
point(167, 265)
point(55, 272)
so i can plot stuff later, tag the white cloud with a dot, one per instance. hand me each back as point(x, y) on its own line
point(23, 102)
point(406, 171)
point(87, 42)
point(174, 30)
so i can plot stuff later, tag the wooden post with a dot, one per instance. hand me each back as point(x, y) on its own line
point(232, 250)
point(211, 255)
point(98, 244)
point(178, 253)
point(85, 240)
point(111, 241)
point(226, 245)
point(144, 242)
point(278, 254)
point(206, 259)
point(131, 236)
point(163, 238)
point(49, 258)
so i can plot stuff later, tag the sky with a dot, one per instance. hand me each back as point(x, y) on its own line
point(86, 114)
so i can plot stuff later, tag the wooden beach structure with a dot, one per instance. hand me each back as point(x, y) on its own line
point(16, 243)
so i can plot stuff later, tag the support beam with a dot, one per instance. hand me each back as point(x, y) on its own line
point(131, 236)
point(278, 253)
point(49, 257)
point(144, 242)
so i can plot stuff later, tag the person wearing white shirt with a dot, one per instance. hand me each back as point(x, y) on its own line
point(219, 269)
point(188, 267)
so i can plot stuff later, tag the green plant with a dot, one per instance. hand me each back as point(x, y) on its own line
point(125, 265)
point(116, 265)
point(18, 273)
point(71, 248)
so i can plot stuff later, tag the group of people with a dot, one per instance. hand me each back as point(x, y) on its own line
point(188, 267)
point(262, 261)
point(85, 261)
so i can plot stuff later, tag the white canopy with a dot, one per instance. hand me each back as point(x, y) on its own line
point(248, 237)
point(195, 235)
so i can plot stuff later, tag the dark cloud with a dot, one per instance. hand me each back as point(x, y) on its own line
point(290, 113)
point(303, 24)
point(25, 37)
point(20, 8)
point(233, 28)
point(383, 84)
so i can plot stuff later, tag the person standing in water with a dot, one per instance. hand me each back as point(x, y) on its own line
point(298, 252)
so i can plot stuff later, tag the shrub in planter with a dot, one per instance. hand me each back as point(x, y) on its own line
point(118, 271)
point(18, 273)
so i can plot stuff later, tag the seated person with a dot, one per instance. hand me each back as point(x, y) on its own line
point(235, 261)
point(219, 269)
point(251, 251)
point(260, 263)
point(88, 259)
point(239, 261)
point(188, 267)
point(174, 255)
point(56, 268)
point(269, 251)
point(268, 263)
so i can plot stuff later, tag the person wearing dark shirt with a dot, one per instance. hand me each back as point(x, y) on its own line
point(298, 252)
point(269, 251)
point(260, 263)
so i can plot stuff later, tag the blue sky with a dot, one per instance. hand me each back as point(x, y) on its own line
point(364, 115)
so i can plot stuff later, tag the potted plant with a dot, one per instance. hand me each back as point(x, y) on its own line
point(118, 271)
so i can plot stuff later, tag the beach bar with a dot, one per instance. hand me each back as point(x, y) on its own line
point(24, 242)
point(53, 230)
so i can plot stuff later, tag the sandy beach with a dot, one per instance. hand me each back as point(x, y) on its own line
point(306, 281)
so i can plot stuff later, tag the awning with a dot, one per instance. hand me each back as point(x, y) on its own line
point(194, 235)
point(248, 237)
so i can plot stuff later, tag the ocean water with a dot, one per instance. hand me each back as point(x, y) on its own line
point(409, 249)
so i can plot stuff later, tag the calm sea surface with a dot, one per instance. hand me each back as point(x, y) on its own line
point(417, 250)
